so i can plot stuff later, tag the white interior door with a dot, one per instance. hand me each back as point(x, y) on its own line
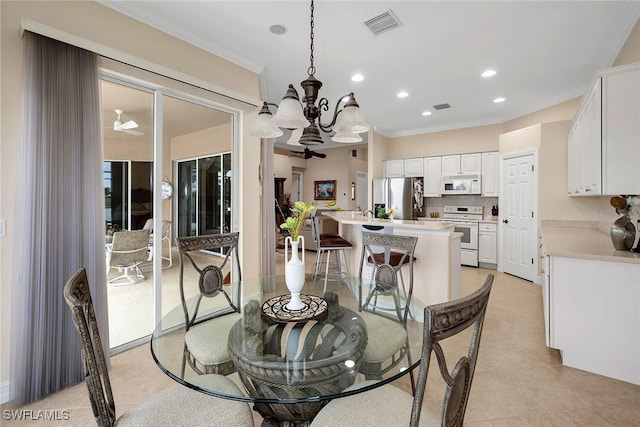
point(296, 186)
point(517, 214)
point(361, 190)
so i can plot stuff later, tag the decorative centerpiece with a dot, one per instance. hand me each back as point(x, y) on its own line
point(294, 269)
point(623, 232)
point(384, 213)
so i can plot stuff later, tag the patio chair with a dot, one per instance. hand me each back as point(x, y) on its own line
point(177, 405)
point(128, 250)
point(166, 227)
point(388, 405)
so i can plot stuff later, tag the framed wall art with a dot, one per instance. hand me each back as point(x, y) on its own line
point(324, 190)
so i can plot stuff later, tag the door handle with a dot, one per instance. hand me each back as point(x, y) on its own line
point(506, 221)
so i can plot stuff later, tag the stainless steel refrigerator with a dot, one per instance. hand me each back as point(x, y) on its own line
point(404, 195)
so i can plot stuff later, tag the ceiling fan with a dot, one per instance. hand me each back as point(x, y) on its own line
point(309, 153)
point(126, 127)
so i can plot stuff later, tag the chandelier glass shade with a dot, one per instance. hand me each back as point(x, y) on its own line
point(294, 114)
point(264, 127)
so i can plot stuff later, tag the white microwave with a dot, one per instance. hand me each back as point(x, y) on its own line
point(461, 184)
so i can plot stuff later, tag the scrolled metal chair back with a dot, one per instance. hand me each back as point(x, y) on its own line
point(442, 321)
point(78, 298)
point(211, 279)
point(385, 279)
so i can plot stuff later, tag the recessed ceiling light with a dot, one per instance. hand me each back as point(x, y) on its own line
point(426, 113)
point(402, 94)
point(489, 73)
point(278, 29)
point(357, 78)
point(499, 99)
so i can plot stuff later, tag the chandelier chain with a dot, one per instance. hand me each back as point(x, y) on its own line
point(312, 70)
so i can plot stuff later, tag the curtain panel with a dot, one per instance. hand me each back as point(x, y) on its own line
point(60, 215)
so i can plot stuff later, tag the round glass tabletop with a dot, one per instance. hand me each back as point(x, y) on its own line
point(283, 357)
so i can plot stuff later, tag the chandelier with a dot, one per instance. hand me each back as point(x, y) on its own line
point(347, 122)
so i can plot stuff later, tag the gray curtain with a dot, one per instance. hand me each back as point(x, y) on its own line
point(268, 226)
point(60, 215)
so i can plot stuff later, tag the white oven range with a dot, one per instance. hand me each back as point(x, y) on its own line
point(466, 220)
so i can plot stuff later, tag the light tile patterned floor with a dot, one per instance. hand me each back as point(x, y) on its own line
point(518, 381)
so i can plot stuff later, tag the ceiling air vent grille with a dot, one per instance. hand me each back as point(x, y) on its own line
point(441, 106)
point(383, 22)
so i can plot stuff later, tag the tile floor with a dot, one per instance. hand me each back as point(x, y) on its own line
point(518, 380)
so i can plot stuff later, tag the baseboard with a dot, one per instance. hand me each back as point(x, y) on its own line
point(488, 266)
point(5, 393)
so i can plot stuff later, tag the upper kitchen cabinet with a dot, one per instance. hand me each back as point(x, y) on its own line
point(414, 167)
point(603, 143)
point(462, 164)
point(583, 146)
point(432, 176)
point(394, 168)
point(490, 174)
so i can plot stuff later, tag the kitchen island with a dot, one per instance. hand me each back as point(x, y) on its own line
point(436, 271)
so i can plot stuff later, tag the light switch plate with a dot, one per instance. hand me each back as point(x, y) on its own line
point(3, 223)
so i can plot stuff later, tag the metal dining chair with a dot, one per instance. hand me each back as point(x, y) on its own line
point(387, 255)
point(177, 405)
point(205, 343)
point(388, 405)
point(386, 320)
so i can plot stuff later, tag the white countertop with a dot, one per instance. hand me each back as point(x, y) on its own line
point(357, 218)
point(583, 242)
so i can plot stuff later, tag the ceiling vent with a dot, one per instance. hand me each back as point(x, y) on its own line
point(441, 106)
point(383, 22)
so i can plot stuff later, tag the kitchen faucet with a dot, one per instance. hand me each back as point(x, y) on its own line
point(369, 211)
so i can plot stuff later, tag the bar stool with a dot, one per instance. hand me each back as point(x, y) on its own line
point(327, 244)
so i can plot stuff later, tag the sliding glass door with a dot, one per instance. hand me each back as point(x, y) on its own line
point(154, 140)
point(128, 194)
point(116, 198)
point(204, 199)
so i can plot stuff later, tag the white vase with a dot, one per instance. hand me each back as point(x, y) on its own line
point(294, 271)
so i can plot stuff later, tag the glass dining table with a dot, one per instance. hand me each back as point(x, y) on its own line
point(289, 364)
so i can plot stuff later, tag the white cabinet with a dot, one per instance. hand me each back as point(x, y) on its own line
point(487, 243)
point(414, 167)
point(450, 165)
point(584, 142)
point(589, 300)
point(490, 174)
point(603, 148)
point(471, 164)
point(394, 168)
point(432, 176)
point(462, 164)
point(621, 131)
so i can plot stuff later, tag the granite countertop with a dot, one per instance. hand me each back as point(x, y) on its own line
point(579, 241)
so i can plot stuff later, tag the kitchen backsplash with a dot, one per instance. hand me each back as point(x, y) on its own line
point(436, 204)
